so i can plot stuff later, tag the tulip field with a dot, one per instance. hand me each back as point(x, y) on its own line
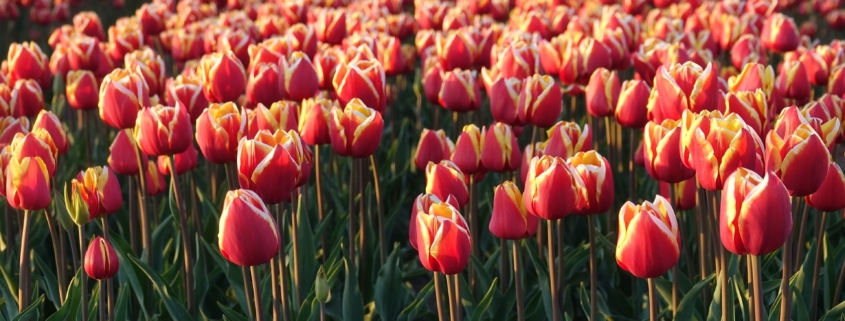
point(405, 160)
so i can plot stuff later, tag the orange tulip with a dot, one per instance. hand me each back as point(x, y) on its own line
point(649, 238)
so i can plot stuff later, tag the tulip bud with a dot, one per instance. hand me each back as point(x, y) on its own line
point(500, 151)
point(595, 184)
point(631, 108)
point(756, 215)
point(468, 150)
point(219, 129)
point(223, 77)
point(540, 101)
point(442, 239)
point(101, 261)
point(300, 80)
point(566, 139)
point(122, 94)
point(509, 219)
point(187, 91)
point(163, 130)
point(322, 290)
point(661, 145)
point(355, 130)
point(248, 235)
point(551, 188)
point(49, 122)
point(603, 93)
point(27, 98)
point(81, 89)
point(799, 159)
point(780, 34)
point(445, 179)
point(649, 238)
point(77, 203)
point(828, 197)
point(185, 162)
point(459, 91)
point(363, 80)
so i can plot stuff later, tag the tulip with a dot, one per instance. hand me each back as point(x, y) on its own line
point(185, 162)
point(799, 159)
point(754, 76)
point(149, 65)
point(661, 145)
point(247, 235)
point(828, 197)
point(264, 85)
point(266, 166)
point(520, 59)
point(445, 179)
point(187, 91)
point(9, 128)
point(331, 26)
point(504, 99)
point(433, 146)
point(459, 91)
point(28, 172)
point(155, 180)
point(631, 108)
point(219, 129)
point(551, 188)
point(325, 62)
point(685, 87)
point(603, 93)
point(715, 146)
point(84, 53)
point(355, 130)
point(83, 204)
point(363, 80)
point(780, 34)
point(124, 37)
point(817, 68)
point(281, 115)
point(163, 130)
point(540, 101)
point(152, 17)
point(751, 106)
point(314, 121)
point(421, 205)
point(186, 45)
point(49, 122)
point(102, 182)
point(27, 98)
point(301, 38)
point(391, 56)
point(432, 80)
point(81, 89)
point(566, 139)
point(685, 194)
point(88, 23)
point(649, 238)
point(509, 219)
point(236, 41)
point(223, 77)
point(456, 50)
point(300, 80)
point(756, 213)
point(500, 151)
point(836, 81)
point(747, 49)
point(794, 81)
point(26, 61)
point(122, 94)
point(468, 150)
point(101, 260)
point(442, 239)
point(596, 183)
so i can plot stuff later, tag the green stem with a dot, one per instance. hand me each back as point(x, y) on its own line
point(84, 284)
point(820, 230)
point(23, 282)
point(380, 213)
point(186, 236)
point(58, 252)
point(107, 291)
point(320, 215)
point(593, 266)
point(520, 301)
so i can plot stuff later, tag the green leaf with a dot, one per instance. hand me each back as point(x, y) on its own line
point(353, 304)
point(485, 302)
point(50, 283)
point(70, 310)
point(122, 307)
point(200, 276)
point(836, 313)
point(542, 278)
point(390, 293)
point(231, 314)
point(129, 271)
point(410, 312)
point(307, 252)
point(31, 311)
point(173, 306)
point(9, 294)
point(234, 276)
point(686, 307)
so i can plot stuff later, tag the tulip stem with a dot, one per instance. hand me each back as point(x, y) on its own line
point(820, 230)
point(351, 212)
point(473, 228)
point(786, 291)
point(550, 233)
point(839, 284)
point(256, 290)
point(146, 239)
point(438, 296)
point(84, 284)
point(186, 243)
point(9, 236)
point(108, 288)
point(799, 253)
point(723, 274)
point(133, 216)
point(320, 215)
point(101, 304)
point(593, 266)
point(520, 301)
point(503, 266)
point(274, 284)
point(295, 246)
point(283, 291)
point(58, 252)
point(23, 283)
point(652, 301)
point(450, 290)
point(248, 292)
point(458, 304)
point(758, 287)
point(675, 281)
point(632, 170)
point(379, 211)
point(561, 267)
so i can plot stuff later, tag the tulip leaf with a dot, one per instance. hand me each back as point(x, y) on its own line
point(234, 276)
point(410, 311)
point(200, 276)
point(122, 307)
point(129, 271)
point(390, 292)
point(542, 278)
point(49, 280)
point(31, 312)
point(586, 304)
point(9, 294)
point(231, 314)
point(686, 308)
point(70, 309)
point(353, 304)
point(173, 306)
point(836, 313)
point(484, 304)
point(307, 252)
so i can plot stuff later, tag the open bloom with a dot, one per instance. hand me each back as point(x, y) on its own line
point(355, 130)
point(649, 238)
point(551, 188)
point(509, 219)
point(163, 130)
point(442, 239)
point(595, 183)
point(269, 165)
point(247, 234)
point(756, 215)
point(101, 260)
point(421, 205)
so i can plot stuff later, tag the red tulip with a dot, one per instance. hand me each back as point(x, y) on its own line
point(163, 130)
point(236, 41)
point(649, 238)
point(685, 87)
point(432, 79)
point(185, 162)
point(468, 150)
point(755, 215)
point(459, 91)
point(331, 25)
point(300, 80)
point(799, 159)
point(84, 53)
point(603, 93)
point(595, 183)
point(456, 50)
point(794, 81)
point(302, 38)
point(125, 36)
point(155, 180)
point(445, 179)
point(81, 89)
point(50, 123)
point(540, 101)
point(149, 65)
point(504, 99)
point(363, 80)
point(509, 219)
point(314, 121)
point(9, 128)
point(101, 260)
point(747, 49)
point(152, 17)
point(433, 147)
point(661, 144)
point(685, 194)
point(123, 153)
point(325, 63)
point(264, 85)
point(752, 107)
point(421, 205)
point(27, 98)
point(780, 34)
point(269, 165)
point(89, 24)
point(827, 197)
point(500, 151)
point(631, 108)
point(187, 91)
point(27, 175)
point(754, 76)
point(101, 181)
point(566, 139)
point(521, 59)
point(247, 235)
point(26, 61)
point(355, 130)
point(122, 94)
point(551, 190)
point(223, 77)
point(219, 129)
point(443, 239)
point(186, 45)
